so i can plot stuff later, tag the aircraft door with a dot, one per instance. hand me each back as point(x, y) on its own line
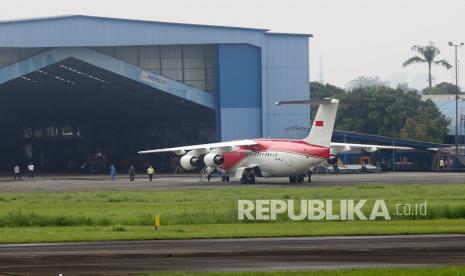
point(288, 159)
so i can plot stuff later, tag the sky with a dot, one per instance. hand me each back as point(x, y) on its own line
point(352, 38)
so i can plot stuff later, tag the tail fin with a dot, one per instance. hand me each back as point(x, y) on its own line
point(323, 124)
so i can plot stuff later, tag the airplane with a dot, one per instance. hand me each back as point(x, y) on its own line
point(293, 158)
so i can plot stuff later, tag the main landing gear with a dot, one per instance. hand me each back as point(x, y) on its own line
point(248, 177)
point(225, 178)
point(296, 179)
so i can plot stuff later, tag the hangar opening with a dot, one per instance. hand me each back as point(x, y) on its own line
point(92, 90)
point(72, 113)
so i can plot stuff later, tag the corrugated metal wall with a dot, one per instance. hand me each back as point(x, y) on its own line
point(239, 74)
point(285, 77)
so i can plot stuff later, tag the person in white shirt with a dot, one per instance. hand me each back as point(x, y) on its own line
point(30, 169)
point(441, 165)
point(17, 174)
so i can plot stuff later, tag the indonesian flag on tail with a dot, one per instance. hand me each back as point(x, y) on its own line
point(319, 123)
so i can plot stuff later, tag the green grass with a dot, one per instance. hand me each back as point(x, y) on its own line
point(211, 206)
point(428, 271)
point(187, 213)
point(118, 232)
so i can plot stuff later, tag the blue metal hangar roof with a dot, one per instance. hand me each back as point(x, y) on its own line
point(82, 30)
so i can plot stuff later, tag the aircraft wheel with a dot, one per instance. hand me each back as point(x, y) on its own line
point(300, 179)
point(292, 179)
point(227, 178)
point(244, 179)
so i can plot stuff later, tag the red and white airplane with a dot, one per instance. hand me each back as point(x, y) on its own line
point(247, 159)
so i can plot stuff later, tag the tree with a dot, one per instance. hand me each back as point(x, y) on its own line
point(443, 88)
point(319, 90)
point(427, 54)
point(426, 126)
point(389, 112)
point(366, 82)
point(404, 87)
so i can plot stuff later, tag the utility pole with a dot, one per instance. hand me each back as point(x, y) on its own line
point(456, 101)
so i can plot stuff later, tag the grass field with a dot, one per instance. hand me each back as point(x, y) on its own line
point(201, 231)
point(32, 217)
point(428, 271)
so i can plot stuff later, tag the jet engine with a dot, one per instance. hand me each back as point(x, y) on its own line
point(189, 162)
point(370, 149)
point(213, 160)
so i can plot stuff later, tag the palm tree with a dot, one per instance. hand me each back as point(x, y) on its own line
point(428, 55)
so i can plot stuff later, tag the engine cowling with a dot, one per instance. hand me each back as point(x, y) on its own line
point(189, 162)
point(370, 149)
point(213, 160)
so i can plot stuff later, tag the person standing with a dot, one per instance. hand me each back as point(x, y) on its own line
point(441, 165)
point(30, 169)
point(383, 165)
point(209, 171)
point(309, 175)
point(132, 173)
point(112, 172)
point(336, 165)
point(17, 172)
point(150, 172)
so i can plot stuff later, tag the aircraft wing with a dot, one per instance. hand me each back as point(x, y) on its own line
point(205, 148)
point(341, 147)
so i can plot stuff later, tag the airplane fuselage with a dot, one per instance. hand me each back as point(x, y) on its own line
point(276, 157)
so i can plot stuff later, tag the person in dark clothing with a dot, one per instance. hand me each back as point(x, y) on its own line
point(132, 173)
point(309, 175)
point(383, 165)
point(335, 165)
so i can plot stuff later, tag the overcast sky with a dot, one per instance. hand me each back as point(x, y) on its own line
point(352, 37)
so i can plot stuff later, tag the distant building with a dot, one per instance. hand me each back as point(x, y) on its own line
point(446, 104)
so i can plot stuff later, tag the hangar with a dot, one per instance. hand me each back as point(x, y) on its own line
point(90, 90)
